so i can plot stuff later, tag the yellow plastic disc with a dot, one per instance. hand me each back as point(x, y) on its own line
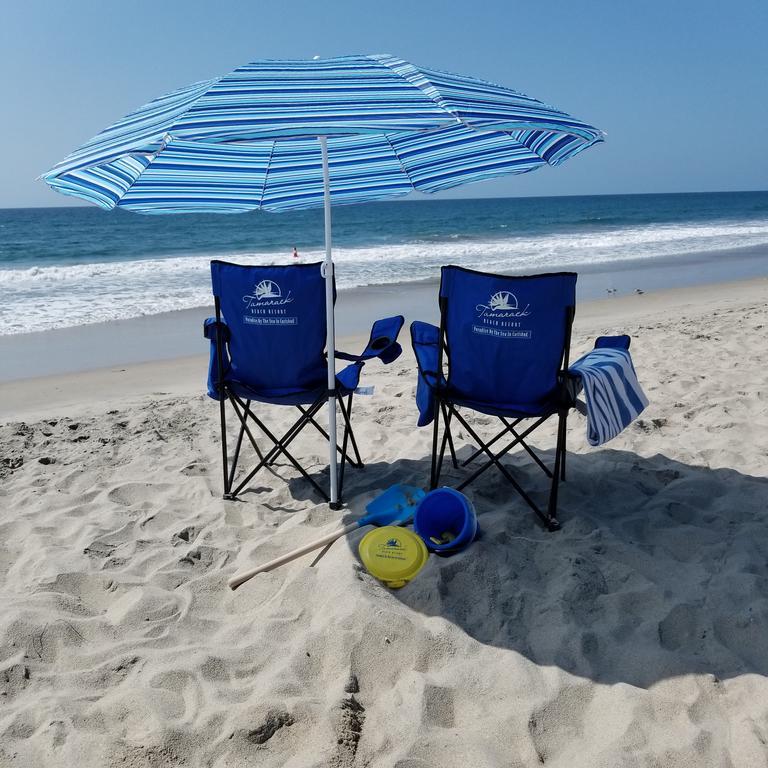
point(393, 555)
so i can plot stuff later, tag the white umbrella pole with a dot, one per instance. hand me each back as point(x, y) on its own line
point(330, 341)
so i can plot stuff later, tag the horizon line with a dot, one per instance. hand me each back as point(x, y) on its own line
point(431, 199)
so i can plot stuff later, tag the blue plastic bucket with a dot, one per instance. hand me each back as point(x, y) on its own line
point(445, 511)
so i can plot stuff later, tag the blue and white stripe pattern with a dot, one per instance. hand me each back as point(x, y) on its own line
point(248, 140)
point(612, 392)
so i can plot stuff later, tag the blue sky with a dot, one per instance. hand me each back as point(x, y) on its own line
point(680, 87)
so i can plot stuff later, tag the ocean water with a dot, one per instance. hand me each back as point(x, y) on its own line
point(62, 267)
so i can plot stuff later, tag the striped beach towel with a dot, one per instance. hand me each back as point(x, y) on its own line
point(614, 398)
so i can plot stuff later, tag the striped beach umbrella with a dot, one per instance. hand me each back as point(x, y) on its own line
point(286, 135)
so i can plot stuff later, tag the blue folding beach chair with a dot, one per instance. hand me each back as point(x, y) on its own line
point(268, 346)
point(506, 342)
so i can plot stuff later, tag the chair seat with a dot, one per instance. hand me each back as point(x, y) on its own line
point(510, 410)
point(276, 397)
point(346, 383)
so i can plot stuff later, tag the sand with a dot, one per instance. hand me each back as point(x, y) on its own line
point(635, 636)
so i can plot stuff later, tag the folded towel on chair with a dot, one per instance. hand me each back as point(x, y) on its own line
point(613, 395)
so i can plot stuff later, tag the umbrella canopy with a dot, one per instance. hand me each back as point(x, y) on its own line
point(248, 140)
point(286, 135)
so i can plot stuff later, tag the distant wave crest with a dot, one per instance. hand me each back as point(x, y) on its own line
point(45, 297)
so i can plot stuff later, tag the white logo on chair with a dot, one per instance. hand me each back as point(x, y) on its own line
point(265, 306)
point(267, 289)
point(502, 305)
point(267, 293)
point(500, 317)
point(502, 299)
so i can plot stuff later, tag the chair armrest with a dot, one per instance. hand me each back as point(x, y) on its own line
point(382, 342)
point(616, 342)
point(210, 327)
point(425, 339)
point(571, 381)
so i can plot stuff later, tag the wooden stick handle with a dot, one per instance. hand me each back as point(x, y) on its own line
point(239, 579)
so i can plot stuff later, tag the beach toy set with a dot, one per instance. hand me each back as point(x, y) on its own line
point(444, 523)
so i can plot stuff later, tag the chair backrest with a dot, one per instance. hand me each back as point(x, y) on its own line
point(276, 321)
point(506, 336)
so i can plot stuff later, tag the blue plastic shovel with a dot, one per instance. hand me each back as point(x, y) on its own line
point(393, 507)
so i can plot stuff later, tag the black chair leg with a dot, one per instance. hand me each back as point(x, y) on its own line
point(224, 457)
point(308, 418)
point(507, 428)
point(238, 447)
point(358, 458)
point(279, 445)
point(552, 523)
point(346, 413)
point(236, 457)
point(358, 463)
point(450, 441)
point(447, 439)
point(564, 451)
point(435, 433)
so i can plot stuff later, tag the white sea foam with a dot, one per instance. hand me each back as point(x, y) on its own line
point(41, 298)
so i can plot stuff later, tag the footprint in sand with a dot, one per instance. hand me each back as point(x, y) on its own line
point(254, 730)
point(99, 549)
point(143, 604)
point(185, 536)
point(13, 680)
point(195, 469)
point(130, 494)
point(200, 557)
point(105, 545)
point(681, 628)
point(273, 722)
point(437, 708)
point(554, 726)
point(108, 674)
point(349, 729)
